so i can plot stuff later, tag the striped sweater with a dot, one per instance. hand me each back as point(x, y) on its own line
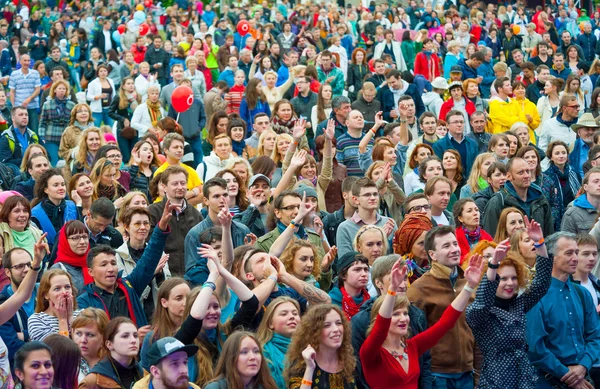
point(234, 99)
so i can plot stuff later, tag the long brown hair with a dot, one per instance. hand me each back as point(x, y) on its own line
point(242, 198)
point(458, 177)
point(162, 324)
point(227, 365)
point(123, 100)
point(309, 332)
point(212, 125)
point(501, 231)
point(42, 304)
point(81, 156)
point(252, 94)
point(321, 104)
point(264, 333)
point(66, 359)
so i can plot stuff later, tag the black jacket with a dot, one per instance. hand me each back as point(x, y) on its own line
point(418, 324)
point(100, 42)
point(119, 115)
point(386, 98)
point(153, 57)
point(534, 91)
point(331, 223)
point(356, 76)
point(251, 218)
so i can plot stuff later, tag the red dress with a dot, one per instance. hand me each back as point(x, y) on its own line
point(383, 371)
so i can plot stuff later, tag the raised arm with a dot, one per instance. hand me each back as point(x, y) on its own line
point(364, 142)
point(286, 236)
point(238, 287)
point(12, 305)
point(225, 219)
point(297, 161)
point(311, 293)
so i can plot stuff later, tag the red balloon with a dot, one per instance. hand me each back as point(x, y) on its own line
point(148, 3)
point(182, 98)
point(144, 28)
point(243, 27)
point(121, 29)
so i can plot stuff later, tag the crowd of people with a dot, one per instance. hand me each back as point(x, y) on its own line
point(375, 195)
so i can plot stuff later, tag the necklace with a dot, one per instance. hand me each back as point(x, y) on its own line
point(398, 355)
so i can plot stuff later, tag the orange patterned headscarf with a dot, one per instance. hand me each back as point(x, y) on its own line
point(410, 230)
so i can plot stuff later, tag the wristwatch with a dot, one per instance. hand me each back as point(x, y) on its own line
point(492, 265)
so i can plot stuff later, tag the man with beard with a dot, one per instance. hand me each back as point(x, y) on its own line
point(168, 360)
point(173, 184)
point(255, 216)
point(17, 264)
point(584, 128)
point(519, 193)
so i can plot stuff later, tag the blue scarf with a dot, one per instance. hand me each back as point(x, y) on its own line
point(300, 234)
point(427, 53)
point(275, 350)
point(238, 147)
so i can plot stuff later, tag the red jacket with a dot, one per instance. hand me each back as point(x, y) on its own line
point(463, 243)
point(427, 67)
point(449, 105)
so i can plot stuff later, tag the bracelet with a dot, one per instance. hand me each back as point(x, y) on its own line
point(64, 333)
point(493, 265)
point(209, 284)
point(36, 268)
point(306, 382)
point(296, 143)
point(391, 293)
point(273, 278)
point(539, 243)
point(373, 130)
point(469, 289)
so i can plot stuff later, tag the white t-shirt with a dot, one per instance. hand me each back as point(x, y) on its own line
point(441, 220)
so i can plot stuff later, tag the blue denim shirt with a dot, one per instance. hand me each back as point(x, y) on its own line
point(562, 330)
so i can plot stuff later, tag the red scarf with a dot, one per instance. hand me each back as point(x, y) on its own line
point(349, 306)
point(66, 255)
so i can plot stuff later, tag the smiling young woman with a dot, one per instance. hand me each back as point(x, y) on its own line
point(33, 366)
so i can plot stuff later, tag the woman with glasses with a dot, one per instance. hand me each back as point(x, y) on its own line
point(56, 306)
point(71, 253)
point(136, 222)
point(114, 155)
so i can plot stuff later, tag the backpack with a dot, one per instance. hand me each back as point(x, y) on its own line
point(7, 177)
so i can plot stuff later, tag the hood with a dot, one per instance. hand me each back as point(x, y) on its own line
point(104, 367)
point(405, 86)
point(533, 193)
point(430, 97)
point(214, 160)
point(582, 202)
point(486, 193)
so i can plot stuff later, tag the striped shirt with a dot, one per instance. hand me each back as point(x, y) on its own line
point(347, 154)
point(41, 325)
point(24, 86)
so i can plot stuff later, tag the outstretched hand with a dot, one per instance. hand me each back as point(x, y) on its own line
point(163, 223)
point(534, 230)
point(41, 249)
point(500, 251)
point(397, 276)
point(473, 272)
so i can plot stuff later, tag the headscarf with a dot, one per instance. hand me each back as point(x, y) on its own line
point(66, 255)
point(411, 228)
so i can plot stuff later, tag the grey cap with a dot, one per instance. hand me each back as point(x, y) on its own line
point(164, 347)
point(256, 177)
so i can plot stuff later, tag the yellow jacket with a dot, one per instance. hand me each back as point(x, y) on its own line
point(503, 115)
point(526, 107)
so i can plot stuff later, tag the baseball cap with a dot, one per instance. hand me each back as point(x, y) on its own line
point(166, 346)
point(257, 177)
point(455, 84)
point(309, 191)
point(456, 68)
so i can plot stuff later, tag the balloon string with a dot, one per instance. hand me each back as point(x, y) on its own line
point(177, 117)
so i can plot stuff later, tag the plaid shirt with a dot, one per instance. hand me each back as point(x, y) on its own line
point(54, 121)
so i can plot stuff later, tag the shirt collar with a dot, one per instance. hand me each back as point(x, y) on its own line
point(454, 139)
point(358, 220)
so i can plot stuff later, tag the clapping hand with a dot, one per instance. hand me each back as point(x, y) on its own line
point(328, 259)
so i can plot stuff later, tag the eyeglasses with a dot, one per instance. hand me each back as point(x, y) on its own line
point(420, 208)
point(114, 156)
point(290, 208)
point(21, 266)
point(139, 224)
point(77, 238)
point(574, 106)
point(457, 122)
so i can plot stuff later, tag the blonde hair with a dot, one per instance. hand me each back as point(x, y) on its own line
point(370, 227)
point(264, 333)
point(55, 85)
point(275, 156)
point(473, 180)
point(81, 156)
point(261, 148)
